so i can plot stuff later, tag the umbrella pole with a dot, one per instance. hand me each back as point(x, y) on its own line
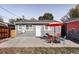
point(54, 30)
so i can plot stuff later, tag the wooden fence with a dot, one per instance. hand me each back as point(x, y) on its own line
point(4, 32)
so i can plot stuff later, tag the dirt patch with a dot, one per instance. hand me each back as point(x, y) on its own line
point(40, 50)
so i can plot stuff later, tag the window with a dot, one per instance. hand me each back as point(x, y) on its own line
point(29, 27)
point(47, 28)
point(20, 26)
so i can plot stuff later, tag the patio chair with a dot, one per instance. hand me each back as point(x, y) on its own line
point(58, 36)
point(50, 38)
point(62, 40)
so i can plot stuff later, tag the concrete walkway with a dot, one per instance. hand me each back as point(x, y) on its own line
point(34, 42)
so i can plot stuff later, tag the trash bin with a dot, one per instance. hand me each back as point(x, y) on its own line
point(13, 33)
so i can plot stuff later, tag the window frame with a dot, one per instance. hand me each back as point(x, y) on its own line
point(20, 27)
point(30, 28)
point(49, 28)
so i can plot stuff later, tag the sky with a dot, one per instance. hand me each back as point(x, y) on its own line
point(34, 10)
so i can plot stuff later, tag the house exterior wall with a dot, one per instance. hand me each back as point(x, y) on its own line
point(26, 33)
point(33, 32)
point(72, 25)
point(57, 30)
point(73, 30)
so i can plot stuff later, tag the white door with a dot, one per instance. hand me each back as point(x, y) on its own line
point(38, 30)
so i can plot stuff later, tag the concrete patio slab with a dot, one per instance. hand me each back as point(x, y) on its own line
point(25, 42)
point(34, 42)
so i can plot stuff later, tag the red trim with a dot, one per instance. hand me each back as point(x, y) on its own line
point(55, 24)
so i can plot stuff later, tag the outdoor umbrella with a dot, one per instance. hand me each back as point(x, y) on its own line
point(55, 24)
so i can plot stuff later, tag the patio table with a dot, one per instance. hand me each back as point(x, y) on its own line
point(62, 40)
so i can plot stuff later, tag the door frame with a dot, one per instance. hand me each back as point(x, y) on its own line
point(38, 31)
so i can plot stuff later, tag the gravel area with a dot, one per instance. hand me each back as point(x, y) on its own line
point(40, 50)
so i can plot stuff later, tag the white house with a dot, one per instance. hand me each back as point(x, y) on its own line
point(37, 28)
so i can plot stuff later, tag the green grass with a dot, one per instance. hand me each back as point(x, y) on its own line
point(40, 50)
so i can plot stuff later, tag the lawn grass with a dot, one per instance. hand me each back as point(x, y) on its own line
point(40, 50)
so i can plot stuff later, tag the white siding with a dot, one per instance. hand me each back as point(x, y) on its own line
point(57, 30)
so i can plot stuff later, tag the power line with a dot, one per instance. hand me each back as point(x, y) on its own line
point(8, 11)
point(4, 17)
